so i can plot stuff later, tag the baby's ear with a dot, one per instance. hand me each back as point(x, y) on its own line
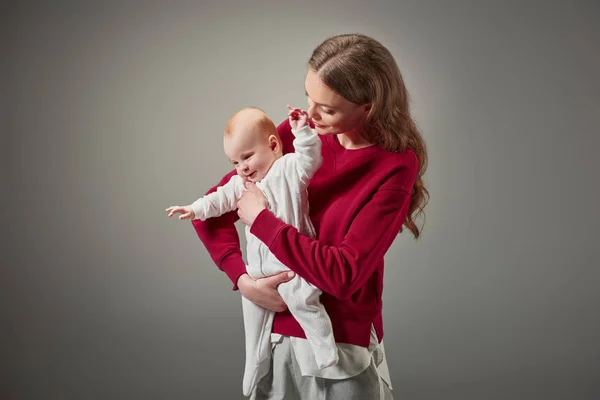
point(273, 143)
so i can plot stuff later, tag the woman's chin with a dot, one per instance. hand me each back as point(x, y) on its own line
point(323, 130)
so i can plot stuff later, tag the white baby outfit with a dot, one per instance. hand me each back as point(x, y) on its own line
point(285, 186)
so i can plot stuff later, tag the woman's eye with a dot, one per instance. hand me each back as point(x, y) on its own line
point(326, 111)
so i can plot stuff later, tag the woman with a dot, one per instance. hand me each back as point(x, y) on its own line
point(368, 187)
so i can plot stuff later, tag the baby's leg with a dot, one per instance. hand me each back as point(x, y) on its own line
point(302, 300)
point(258, 322)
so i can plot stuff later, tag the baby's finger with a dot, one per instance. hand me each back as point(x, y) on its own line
point(296, 109)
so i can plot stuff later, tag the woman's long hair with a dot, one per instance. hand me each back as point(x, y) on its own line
point(363, 71)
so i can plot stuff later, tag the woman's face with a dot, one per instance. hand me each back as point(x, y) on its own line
point(330, 112)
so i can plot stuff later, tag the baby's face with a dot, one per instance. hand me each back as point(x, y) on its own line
point(251, 153)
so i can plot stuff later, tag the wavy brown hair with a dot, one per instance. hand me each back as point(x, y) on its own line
point(363, 71)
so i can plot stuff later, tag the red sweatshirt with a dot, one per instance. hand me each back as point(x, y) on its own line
point(358, 202)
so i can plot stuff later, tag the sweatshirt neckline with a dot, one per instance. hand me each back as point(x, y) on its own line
point(339, 149)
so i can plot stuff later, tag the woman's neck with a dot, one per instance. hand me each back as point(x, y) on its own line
point(352, 141)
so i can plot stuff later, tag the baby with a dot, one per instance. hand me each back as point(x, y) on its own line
point(252, 144)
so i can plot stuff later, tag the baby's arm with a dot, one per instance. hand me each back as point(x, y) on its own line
point(307, 144)
point(215, 204)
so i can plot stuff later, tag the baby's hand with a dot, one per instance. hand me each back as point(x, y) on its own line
point(186, 212)
point(298, 117)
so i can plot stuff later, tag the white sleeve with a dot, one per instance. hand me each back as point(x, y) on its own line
point(307, 156)
point(220, 202)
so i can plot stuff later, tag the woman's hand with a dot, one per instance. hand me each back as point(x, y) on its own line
point(252, 202)
point(263, 291)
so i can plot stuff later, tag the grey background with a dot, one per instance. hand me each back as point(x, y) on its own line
point(112, 112)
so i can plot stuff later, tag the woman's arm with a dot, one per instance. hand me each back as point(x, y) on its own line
point(344, 269)
point(221, 239)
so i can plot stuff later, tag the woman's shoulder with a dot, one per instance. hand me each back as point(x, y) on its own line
point(401, 167)
point(405, 159)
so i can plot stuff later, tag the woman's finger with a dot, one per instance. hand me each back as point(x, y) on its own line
point(250, 186)
point(274, 280)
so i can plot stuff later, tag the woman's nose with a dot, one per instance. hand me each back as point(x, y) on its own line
point(311, 112)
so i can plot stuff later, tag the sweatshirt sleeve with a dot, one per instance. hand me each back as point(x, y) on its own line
point(344, 269)
point(219, 202)
point(220, 236)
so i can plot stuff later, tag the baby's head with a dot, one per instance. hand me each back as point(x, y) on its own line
point(252, 144)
